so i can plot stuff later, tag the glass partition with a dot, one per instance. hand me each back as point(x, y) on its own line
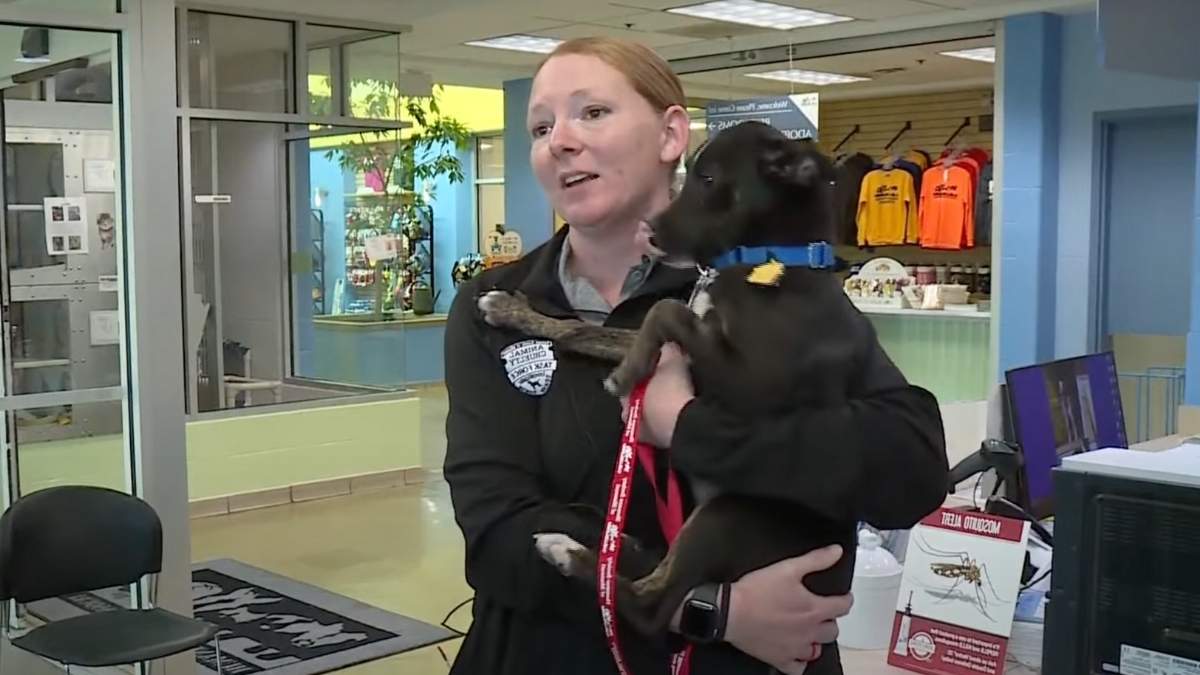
point(239, 63)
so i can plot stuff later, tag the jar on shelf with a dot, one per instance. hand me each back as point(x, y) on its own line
point(926, 276)
point(957, 277)
point(983, 283)
point(942, 274)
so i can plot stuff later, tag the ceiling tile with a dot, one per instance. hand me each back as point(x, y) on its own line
point(869, 9)
point(648, 38)
point(569, 11)
point(498, 57)
point(961, 4)
point(455, 28)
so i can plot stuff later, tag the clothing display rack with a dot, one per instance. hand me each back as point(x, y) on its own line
point(903, 130)
point(853, 132)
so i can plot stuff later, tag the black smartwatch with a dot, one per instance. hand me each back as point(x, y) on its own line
point(705, 613)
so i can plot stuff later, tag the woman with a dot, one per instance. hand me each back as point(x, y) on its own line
point(532, 434)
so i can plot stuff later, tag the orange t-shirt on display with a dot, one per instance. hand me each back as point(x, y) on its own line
point(947, 208)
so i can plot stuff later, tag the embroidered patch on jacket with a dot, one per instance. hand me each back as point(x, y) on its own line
point(530, 365)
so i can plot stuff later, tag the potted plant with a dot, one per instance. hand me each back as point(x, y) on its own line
point(398, 163)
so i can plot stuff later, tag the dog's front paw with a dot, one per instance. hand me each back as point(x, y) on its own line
point(499, 307)
point(621, 381)
point(561, 551)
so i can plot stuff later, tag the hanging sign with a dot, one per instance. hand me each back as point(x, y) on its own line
point(794, 115)
point(962, 576)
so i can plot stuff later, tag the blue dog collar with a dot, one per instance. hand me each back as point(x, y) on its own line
point(818, 256)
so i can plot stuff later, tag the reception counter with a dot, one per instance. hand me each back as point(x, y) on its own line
point(393, 353)
point(945, 352)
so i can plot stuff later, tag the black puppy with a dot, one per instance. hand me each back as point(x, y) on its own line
point(763, 339)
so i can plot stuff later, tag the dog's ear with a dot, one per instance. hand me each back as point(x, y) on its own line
point(784, 161)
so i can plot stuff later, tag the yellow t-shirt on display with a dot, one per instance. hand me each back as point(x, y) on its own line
point(887, 209)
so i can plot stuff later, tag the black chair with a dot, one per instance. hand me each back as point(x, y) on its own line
point(73, 539)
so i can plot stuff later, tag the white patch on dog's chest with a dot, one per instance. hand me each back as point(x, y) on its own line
point(701, 303)
point(701, 300)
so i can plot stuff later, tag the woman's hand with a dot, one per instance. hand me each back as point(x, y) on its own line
point(669, 390)
point(777, 620)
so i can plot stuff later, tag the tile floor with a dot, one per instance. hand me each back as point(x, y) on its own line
point(398, 549)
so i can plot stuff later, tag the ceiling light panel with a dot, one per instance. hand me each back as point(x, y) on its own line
point(520, 43)
point(808, 77)
point(984, 54)
point(758, 13)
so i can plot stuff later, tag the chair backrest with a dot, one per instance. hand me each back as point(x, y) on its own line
point(73, 538)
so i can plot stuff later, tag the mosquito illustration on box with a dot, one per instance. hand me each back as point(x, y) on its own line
point(963, 569)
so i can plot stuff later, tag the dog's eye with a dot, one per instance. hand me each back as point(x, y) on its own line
point(706, 178)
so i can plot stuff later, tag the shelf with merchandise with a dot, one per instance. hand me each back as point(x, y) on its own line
point(388, 192)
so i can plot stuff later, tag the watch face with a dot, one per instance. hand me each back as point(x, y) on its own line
point(698, 620)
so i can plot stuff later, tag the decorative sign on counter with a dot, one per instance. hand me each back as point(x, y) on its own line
point(884, 283)
point(962, 576)
point(880, 283)
point(502, 246)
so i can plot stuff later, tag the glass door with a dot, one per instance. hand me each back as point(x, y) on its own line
point(63, 391)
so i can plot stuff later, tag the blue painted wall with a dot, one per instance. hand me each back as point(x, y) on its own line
point(1089, 92)
point(1191, 394)
point(453, 226)
point(1029, 188)
point(526, 208)
point(1151, 177)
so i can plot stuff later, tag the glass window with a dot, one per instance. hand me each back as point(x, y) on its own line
point(30, 91)
point(490, 211)
point(239, 63)
point(320, 82)
point(90, 84)
point(372, 69)
point(489, 187)
point(106, 6)
point(490, 157)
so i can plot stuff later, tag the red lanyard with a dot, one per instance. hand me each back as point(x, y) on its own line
point(670, 517)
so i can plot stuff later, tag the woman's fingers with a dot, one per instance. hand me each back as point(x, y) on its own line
point(826, 633)
point(815, 561)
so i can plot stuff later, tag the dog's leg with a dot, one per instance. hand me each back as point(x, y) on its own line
point(579, 562)
point(512, 310)
point(667, 321)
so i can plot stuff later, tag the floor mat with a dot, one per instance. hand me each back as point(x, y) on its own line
point(273, 624)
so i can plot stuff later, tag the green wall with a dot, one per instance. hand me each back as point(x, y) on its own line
point(252, 452)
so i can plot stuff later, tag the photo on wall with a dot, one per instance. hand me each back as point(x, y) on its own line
point(66, 225)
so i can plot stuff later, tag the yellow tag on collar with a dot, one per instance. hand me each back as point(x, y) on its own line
point(767, 274)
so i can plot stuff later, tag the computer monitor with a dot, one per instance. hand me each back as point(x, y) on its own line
point(1063, 408)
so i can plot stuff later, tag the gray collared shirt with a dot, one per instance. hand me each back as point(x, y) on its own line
point(583, 296)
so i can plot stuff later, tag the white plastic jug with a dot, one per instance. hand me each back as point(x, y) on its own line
point(876, 588)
